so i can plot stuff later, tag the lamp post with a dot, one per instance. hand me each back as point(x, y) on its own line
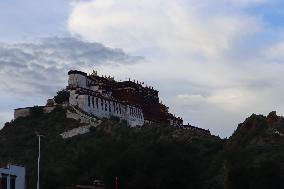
point(116, 182)
point(38, 160)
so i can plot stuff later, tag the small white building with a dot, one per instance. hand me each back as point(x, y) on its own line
point(12, 177)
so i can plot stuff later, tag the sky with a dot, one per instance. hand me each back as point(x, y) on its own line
point(214, 62)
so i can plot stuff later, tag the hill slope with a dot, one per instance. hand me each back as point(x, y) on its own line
point(255, 153)
point(259, 130)
point(156, 156)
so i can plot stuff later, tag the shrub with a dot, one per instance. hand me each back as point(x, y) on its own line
point(114, 118)
point(36, 110)
point(62, 96)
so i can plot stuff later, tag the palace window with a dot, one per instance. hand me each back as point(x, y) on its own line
point(105, 105)
point(4, 181)
point(109, 106)
point(102, 104)
point(93, 102)
point(89, 101)
point(97, 102)
point(13, 182)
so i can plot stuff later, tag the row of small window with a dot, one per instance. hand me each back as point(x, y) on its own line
point(135, 112)
point(105, 105)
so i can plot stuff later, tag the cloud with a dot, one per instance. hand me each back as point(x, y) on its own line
point(174, 27)
point(42, 67)
point(20, 20)
point(213, 61)
point(4, 117)
point(191, 98)
point(274, 53)
point(246, 2)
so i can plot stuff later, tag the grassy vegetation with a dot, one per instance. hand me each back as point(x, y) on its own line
point(156, 156)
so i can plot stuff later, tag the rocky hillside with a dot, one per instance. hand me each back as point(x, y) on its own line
point(79, 148)
point(259, 130)
point(255, 153)
point(156, 156)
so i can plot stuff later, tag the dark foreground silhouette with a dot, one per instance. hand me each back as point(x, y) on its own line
point(156, 156)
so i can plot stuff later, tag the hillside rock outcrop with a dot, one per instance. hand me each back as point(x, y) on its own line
point(259, 130)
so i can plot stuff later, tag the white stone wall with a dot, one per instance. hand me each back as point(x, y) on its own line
point(24, 112)
point(105, 108)
point(76, 114)
point(77, 100)
point(77, 80)
point(76, 131)
point(48, 109)
point(82, 118)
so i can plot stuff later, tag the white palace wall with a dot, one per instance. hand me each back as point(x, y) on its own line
point(77, 80)
point(105, 108)
point(102, 107)
point(24, 112)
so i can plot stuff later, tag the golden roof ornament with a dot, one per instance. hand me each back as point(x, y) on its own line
point(95, 73)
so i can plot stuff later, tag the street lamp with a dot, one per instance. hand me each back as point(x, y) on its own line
point(38, 160)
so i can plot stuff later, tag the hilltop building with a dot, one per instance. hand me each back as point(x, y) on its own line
point(103, 97)
point(129, 100)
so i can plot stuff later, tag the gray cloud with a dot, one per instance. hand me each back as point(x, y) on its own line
point(32, 72)
point(29, 68)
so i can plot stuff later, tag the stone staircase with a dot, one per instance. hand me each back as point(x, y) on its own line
point(78, 114)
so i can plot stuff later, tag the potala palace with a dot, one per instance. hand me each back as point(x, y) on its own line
point(129, 100)
point(104, 97)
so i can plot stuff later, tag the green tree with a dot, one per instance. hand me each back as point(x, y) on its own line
point(62, 96)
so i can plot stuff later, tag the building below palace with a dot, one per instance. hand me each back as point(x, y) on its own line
point(12, 177)
point(104, 97)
